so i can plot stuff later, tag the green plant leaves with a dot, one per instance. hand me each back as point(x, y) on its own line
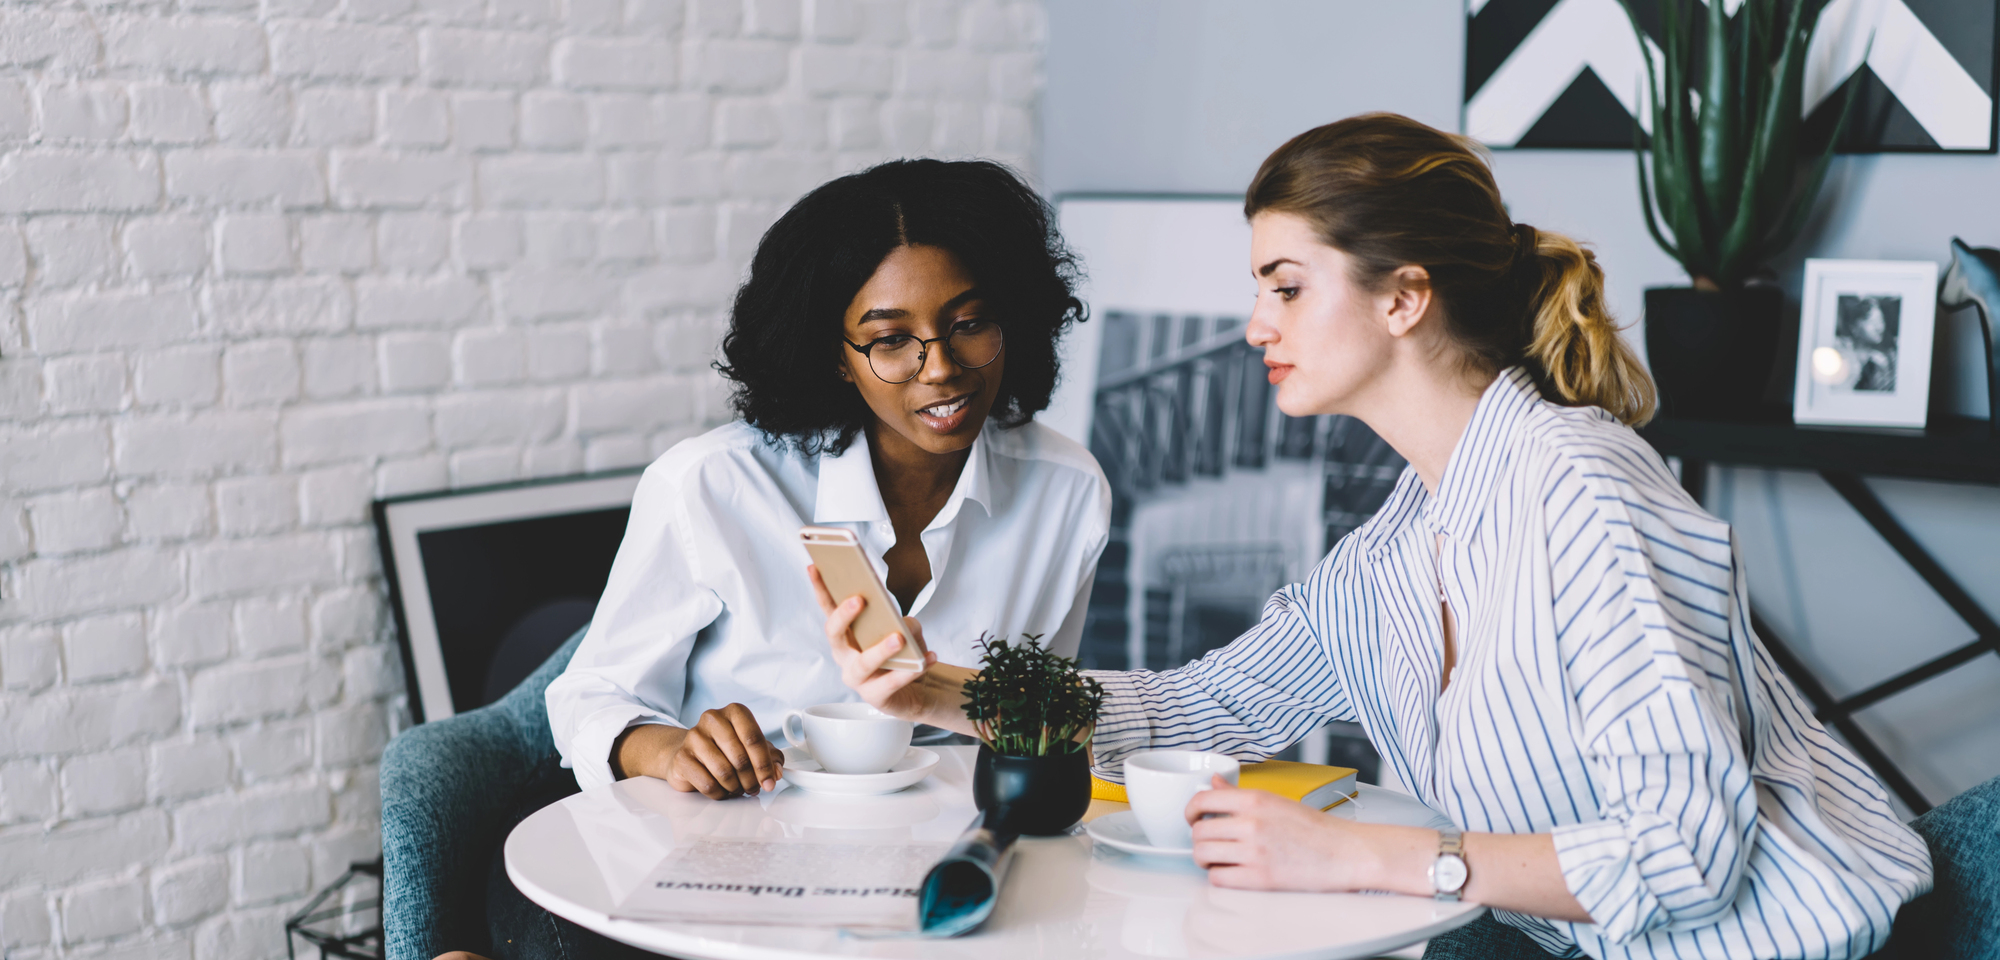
point(1721, 115)
point(1028, 702)
point(1726, 177)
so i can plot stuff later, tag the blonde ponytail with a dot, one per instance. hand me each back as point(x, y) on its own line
point(1583, 360)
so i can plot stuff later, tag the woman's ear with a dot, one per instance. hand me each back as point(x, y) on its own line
point(1409, 298)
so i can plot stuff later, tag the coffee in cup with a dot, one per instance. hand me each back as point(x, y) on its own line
point(1159, 784)
point(849, 737)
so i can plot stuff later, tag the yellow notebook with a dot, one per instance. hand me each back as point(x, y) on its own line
point(1312, 784)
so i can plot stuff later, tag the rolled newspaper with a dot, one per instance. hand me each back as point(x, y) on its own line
point(958, 893)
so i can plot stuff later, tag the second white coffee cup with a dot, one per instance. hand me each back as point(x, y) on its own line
point(849, 737)
point(1159, 784)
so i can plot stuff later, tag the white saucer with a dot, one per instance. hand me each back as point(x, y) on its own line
point(802, 771)
point(1122, 830)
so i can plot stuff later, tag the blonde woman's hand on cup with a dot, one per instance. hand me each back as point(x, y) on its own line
point(1254, 840)
point(1259, 841)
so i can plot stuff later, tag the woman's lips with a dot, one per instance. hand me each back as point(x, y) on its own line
point(960, 409)
point(1278, 371)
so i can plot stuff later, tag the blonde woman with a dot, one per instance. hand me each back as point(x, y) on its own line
point(1545, 638)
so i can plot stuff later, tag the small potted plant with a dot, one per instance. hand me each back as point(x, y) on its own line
point(1035, 715)
point(1730, 186)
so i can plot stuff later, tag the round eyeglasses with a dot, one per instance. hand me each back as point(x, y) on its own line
point(898, 358)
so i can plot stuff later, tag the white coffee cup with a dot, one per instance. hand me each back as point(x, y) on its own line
point(1159, 784)
point(849, 737)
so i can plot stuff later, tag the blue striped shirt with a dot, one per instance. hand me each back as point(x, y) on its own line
point(1608, 690)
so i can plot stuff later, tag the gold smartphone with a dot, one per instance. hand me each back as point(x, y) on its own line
point(847, 572)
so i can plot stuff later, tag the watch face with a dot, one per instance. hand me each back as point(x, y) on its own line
point(1448, 873)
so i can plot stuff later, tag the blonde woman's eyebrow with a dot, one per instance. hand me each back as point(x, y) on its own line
point(1265, 270)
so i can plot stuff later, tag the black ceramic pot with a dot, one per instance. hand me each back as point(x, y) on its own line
point(1713, 353)
point(1037, 796)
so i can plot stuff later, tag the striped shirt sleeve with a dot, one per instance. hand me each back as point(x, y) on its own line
point(1645, 638)
point(1250, 699)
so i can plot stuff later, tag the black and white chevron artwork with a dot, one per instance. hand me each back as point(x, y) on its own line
point(1570, 73)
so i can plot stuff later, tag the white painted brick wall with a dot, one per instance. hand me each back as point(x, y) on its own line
point(261, 263)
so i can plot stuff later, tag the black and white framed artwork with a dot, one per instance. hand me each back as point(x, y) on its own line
point(1865, 339)
point(1218, 498)
point(487, 582)
point(1571, 73)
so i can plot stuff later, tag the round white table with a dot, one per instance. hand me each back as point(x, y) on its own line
point(1063, 897)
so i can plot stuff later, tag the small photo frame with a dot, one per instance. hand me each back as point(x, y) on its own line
point(1865, 343)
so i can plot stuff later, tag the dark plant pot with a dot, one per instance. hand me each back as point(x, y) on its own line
point(1714, 353)
point(1037, 796)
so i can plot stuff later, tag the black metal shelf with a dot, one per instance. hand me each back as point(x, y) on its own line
point(1951, 449)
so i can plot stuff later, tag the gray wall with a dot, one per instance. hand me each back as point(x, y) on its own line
point(1188, 96)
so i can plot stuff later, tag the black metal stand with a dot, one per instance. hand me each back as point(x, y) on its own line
point(1952, 450)
point(348, 928)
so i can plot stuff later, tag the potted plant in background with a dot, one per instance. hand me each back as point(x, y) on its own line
point(1034, 714)
point(1732, 185)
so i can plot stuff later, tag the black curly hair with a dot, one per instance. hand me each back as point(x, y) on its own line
point(785, 329)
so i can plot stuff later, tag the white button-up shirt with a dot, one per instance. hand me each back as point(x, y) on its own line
point(1608, 690)
point(708, 602)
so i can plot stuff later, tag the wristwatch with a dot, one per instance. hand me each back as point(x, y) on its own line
point(1448, 871)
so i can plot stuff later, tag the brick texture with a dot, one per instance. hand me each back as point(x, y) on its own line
point(261, 263)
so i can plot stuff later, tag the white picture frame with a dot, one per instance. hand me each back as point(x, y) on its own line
point(1865, 334)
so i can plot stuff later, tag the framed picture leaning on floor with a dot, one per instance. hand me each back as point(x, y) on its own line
point(1865, 343)
point(487, 582)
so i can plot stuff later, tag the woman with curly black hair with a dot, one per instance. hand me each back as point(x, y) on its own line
point(895, 338)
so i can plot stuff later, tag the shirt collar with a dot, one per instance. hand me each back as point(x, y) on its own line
point(975, 482)
point(1476, 463)
point(848, 491)
point(1403, 505)
point(1469, 476)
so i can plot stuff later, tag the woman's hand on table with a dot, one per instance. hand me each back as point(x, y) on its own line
point(1256, 840)
point(723, 755)
point(933, 695)
point(1260, 841)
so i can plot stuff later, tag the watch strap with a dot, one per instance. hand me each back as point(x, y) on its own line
point(1451, 847)
point(1451, 841)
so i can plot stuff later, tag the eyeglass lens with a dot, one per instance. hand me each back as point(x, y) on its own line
point(970, 345)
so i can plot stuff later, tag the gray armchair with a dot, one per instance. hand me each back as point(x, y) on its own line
point(1960, 917)
point(450, 790)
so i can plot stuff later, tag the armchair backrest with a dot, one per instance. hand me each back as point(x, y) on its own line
point(447, 798)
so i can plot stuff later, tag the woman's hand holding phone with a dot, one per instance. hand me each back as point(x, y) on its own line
point(933, 695)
